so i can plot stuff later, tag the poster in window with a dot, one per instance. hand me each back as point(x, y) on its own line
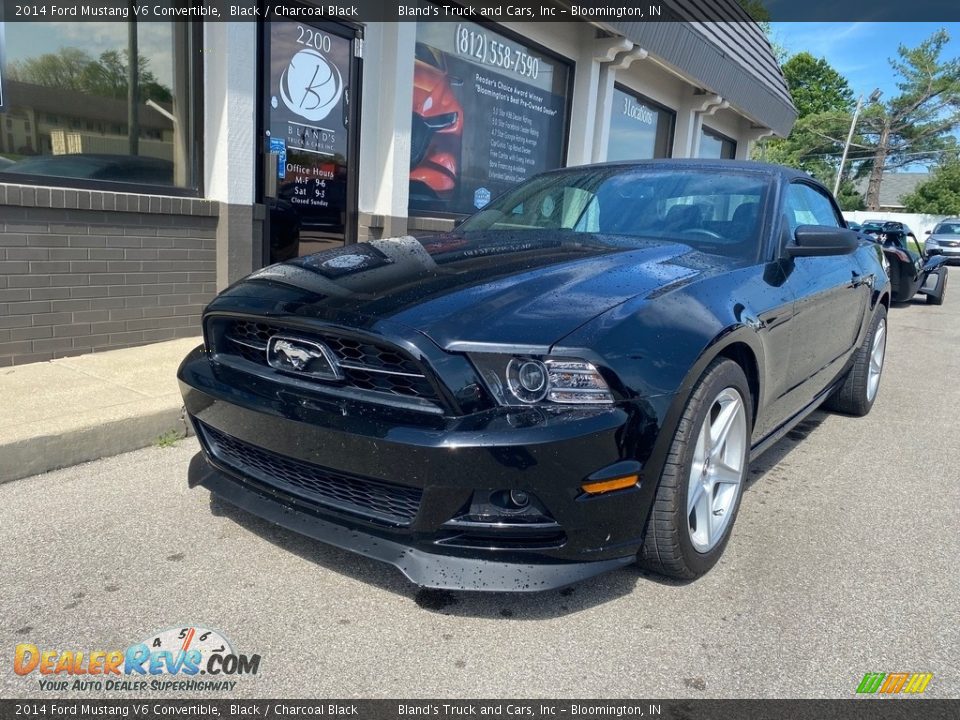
point(307, 123)
point(488, 112)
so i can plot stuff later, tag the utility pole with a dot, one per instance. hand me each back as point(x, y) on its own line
point(874, 96)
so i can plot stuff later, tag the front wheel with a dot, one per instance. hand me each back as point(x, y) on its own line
point(859, 390)
point(702, 480)
point(936, 297)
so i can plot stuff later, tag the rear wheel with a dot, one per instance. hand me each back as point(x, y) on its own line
point(859, 390)
point(936, 297)
point(702, 481)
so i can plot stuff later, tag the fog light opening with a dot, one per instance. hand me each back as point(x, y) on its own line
point(519, 498)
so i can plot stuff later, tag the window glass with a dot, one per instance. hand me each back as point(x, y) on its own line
point(639, 128)
point(716, 146)
point(71, 111)
point(808, 206)
point(947, 228)
point(712, 212)
point(488, 112)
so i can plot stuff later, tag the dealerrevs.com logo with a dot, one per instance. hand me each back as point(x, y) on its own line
point(176, 660)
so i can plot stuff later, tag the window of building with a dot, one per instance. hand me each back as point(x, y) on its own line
point(640, 129)
point(716, 145)
point(489, 110)
point(49, 67)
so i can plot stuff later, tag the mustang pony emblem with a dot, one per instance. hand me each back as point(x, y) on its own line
point(306, 357)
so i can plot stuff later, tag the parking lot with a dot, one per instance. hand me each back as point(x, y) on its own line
point(843, 561)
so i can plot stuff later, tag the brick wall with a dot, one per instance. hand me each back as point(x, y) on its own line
point(82, 271)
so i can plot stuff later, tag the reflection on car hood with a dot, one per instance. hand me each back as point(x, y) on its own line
point(528, 288)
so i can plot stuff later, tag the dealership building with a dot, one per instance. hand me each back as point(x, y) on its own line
point(127, 199)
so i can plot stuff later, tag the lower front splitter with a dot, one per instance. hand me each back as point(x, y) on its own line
point(448, 572)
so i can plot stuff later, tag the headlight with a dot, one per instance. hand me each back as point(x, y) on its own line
point(438, 122)
point(528, 380)
point(930, 242)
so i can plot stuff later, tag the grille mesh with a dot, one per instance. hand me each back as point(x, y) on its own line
point(366, 365)
point(393, 504)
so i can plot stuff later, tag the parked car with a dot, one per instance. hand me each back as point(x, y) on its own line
point(910, 272)
point(944, 240)
point(853, 225)
point(576, 378)
point(891, 230)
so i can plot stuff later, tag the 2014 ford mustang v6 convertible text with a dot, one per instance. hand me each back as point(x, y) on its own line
point(575, 378)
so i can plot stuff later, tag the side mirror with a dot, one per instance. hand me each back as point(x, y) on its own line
point(928, 232)
point(815, 240)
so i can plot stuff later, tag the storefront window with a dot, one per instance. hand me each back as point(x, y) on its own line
point(640, 129)
point(715, 145)
point(82, 118)
point(488, 112)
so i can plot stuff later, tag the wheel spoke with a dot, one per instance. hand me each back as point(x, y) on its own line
point(725, 473)
point(694, 494)
point(720, 429)
point(705, 517)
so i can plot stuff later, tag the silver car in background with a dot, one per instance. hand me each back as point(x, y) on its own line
point(944, 240)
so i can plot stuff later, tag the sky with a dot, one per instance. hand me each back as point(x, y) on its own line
point(859, 50)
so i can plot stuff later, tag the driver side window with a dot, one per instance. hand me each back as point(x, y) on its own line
point(808, 206)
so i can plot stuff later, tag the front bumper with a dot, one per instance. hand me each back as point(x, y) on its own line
point(445, 463)
point(950, 254)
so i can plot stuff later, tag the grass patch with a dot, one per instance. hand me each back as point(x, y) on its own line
point(168, 439)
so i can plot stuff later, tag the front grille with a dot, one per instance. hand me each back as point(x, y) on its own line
point(366, 364)
point(383, 502)
point(420, 136)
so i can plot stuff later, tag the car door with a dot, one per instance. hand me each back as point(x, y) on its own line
point(830, 296)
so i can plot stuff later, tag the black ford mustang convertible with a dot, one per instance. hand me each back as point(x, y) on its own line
point(576, 378)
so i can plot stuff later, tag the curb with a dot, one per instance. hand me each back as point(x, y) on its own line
point(35, 455)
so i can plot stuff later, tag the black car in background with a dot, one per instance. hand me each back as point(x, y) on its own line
point(910, 272)
point(577, 377)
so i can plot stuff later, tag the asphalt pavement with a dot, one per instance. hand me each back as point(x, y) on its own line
point(843, 561)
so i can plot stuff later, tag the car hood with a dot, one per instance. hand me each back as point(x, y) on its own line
point(527, 288)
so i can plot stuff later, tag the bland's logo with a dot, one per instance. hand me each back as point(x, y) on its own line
point(311, 85)
point(304, 357)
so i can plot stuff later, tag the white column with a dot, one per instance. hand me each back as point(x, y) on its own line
point(749, 139)
point(229, 129)
point(585, 113)
point(386, 112)
point(686, 136)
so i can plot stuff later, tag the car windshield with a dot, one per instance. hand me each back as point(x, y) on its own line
point(947, 228)
point(709, 210)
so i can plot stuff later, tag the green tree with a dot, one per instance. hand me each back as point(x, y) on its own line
point(915, 126)
point(824, 102)
point(816, 87)
point(75, 69)
point(940, 195)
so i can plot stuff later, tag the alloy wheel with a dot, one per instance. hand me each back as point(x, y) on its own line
point(716, 473)
point(877, 351)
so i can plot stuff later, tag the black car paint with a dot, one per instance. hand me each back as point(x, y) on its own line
point(650, 316)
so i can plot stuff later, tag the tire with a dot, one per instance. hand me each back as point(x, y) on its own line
point(858, 392)
point(936, 297)
point(674, 541)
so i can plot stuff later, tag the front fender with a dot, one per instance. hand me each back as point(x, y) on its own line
point(932, 263)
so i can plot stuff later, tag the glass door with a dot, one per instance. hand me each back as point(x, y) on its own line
point(310, 116)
